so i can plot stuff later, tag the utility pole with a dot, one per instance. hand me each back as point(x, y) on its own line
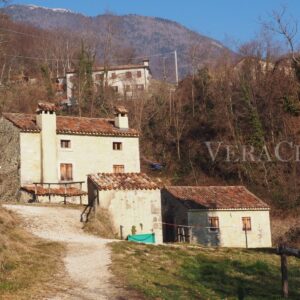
point(165, 74)
point(68, 57)
point(176, 66)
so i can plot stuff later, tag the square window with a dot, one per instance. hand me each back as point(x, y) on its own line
point(213, 223)
point(66, 144)
point(127, 87)
point(246, 223)
point(128, 75)
point(66, 172)
point(140, 87)
point(118, 168)
point(99, 77)
point(117, 146)
point(115, 88)
point(113, 75)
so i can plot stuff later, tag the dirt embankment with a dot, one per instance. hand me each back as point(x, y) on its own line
point(87, 259)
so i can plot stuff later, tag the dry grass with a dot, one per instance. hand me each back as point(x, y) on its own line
point(29, 267)
point(101, 224)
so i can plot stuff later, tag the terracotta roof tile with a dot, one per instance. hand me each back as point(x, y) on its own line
point(61, 191)
point(217, 197)
point(123, 181)
point(120, 109)
point(72, 125)
point(46, 106)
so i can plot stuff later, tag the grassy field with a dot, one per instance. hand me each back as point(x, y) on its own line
point(185, 272)
point(27, 264)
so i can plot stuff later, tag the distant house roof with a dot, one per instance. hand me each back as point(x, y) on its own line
point(115, 68)
point(72, 125)
point(216, 197)
point(123, 181)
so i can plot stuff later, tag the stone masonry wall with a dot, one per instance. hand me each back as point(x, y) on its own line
point(9, 161)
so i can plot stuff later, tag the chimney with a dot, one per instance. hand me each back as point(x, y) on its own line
point(46, 121)
point(146, 62)
point(121, 117)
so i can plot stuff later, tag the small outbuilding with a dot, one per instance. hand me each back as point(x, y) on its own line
point(133, 200)
point(225, 216)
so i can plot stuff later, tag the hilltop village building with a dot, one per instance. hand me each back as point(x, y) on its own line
point(223, 216)
point(126, 80)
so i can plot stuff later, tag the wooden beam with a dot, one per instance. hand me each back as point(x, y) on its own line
point(281, 249)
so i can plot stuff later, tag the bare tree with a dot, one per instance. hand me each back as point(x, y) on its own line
point(288, 29)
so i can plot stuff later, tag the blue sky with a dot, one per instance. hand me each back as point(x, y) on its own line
point(224, 20)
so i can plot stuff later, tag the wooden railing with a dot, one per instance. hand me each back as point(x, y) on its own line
point(66, 185)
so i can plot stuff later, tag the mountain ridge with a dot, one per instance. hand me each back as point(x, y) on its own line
point(145, 34)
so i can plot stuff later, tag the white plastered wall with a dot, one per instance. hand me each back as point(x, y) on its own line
point(139, 208)
point(230, 233)
point(94, 154)
point(88, 155)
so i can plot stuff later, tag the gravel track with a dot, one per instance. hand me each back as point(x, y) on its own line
point(87, 258)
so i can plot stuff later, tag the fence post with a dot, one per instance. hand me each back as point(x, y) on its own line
point(190, 234)
point(121, 232)
point(65, 196)
point(49, 192)
point(284, 275)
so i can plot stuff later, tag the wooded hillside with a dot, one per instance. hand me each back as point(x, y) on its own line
point(252, 102)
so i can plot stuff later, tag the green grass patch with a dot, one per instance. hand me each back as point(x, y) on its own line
point(185, 272)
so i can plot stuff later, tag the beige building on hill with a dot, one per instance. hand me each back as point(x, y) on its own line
point(224, 216)
point(133, 200)
point(126, 80)
point(45, 154)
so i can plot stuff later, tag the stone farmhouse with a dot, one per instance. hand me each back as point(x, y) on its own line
point(133, 200)
point(225, 216)
point(96, 161)
point(125, 80)
point(48, 155)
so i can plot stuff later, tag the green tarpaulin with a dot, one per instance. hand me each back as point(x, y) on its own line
point(142, 238)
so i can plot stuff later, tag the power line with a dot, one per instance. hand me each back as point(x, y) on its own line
point(64, 59)
point(23, 33)
point(37, 58)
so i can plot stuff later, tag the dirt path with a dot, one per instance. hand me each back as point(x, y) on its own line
point(88, 257)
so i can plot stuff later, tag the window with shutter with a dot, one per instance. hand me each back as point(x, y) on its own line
point(66, 144)
point(117, 146)
point(118, 168)
point(246, 223)
point(213, 223)
point(66, 172)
